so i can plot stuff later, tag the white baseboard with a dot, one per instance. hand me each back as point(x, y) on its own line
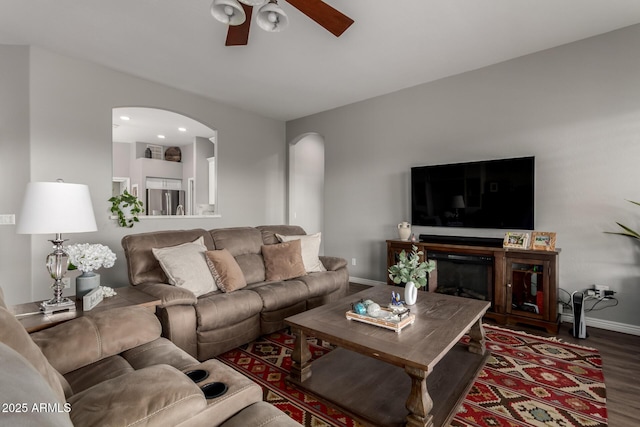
point(595, 323)
point(605, 324)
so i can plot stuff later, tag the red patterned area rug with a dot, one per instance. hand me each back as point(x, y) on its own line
point(527, 381)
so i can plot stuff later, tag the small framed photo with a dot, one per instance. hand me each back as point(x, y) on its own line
point(134, 190)
point(516, 240)
point(543, 241)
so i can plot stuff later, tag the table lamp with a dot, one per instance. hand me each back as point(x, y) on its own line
point(56, 207)
point(457, 203)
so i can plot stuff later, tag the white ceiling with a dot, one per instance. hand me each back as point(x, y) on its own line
point(145, 124)
point(305, 69)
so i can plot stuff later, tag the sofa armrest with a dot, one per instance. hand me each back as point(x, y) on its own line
point(155, 396)
point(332, 263)
point(94, 336)
point(168, 294)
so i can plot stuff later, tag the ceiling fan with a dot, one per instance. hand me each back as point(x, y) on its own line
point(270, 17)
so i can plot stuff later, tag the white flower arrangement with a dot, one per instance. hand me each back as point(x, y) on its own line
point(87, 257)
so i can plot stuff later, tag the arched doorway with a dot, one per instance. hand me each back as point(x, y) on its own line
point(306, 182)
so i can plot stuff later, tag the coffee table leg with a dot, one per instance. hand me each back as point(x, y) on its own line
point(477, 341)
point(419, 402)
point(300, 357)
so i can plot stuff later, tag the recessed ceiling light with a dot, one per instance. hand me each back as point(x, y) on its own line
point(182, 129)
point(125, 117)
point(161, 136)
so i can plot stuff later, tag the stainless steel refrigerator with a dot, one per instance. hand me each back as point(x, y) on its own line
point(165, 202)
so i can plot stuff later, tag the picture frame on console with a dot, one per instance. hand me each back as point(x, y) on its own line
point(543, 241)
point(517, 240)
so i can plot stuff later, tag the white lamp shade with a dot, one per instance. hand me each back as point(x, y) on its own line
point(458, 202)
point(271, 18)
point(56, 207)
point(228, 12)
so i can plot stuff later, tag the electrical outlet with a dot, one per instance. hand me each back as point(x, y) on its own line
point(353, 261)
point(66, 281)
point(600, 290)
point(7, 219)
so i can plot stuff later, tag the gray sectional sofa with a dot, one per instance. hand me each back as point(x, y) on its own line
point(112, 368)
point(252, 302)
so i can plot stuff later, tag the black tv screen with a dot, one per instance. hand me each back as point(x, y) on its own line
point(486, 194)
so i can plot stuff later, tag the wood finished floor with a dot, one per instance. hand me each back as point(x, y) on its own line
point(620, 362)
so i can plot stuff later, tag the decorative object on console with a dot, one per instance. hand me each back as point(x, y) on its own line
point(543, 241)
point(126, 207)
point(92, 298)
point(412, 272)
point(516, 240)
point(404, 230)
point(272, 18)
point(56, 207)
point(87, 257)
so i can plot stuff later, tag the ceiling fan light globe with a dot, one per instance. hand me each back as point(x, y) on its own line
point(253, 2)
point(228, 12)
point(272, 18)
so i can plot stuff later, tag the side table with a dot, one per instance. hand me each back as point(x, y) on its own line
point(33, 319)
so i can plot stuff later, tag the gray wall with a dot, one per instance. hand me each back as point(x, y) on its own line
point(576, 108)
point(56, 114)
point(14, 169)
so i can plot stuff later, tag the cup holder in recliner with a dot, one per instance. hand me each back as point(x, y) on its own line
point(197, 375)
point(213, 390)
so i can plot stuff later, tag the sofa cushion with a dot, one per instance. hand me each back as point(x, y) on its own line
point(269, 232)
point(156, 396)
point(283, 261)
point(95, 373)
point(277, 295)
point(322, 283)
point(221, 310)
point(158, 352)
point(244, 243)
point(142, 266)
point(224, 266)
point(186, 267)
point(13, 334)
point(97, 335)
point(310, 250)
point(21, 384)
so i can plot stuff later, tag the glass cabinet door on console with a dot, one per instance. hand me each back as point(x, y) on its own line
point(531, 287)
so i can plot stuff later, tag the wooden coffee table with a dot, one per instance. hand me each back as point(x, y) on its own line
point(374, 369)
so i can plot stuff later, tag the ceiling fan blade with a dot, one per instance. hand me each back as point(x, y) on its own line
point(331, 19)
point(238, 35)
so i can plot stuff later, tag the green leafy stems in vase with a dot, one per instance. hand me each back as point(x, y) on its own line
point(409, 268)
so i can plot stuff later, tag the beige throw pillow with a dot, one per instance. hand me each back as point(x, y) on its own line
point(310, 250)
point(283, 261)
point(225, 269)
point(186, 267)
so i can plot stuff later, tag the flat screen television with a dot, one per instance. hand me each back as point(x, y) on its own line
point(486, 194)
